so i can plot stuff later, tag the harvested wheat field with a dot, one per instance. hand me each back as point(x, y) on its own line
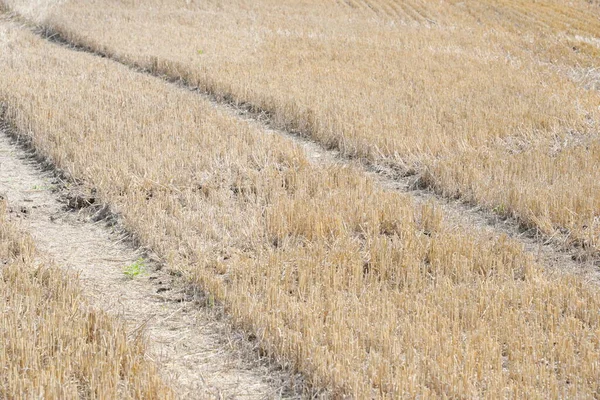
point(334, 268)
point(493, 102)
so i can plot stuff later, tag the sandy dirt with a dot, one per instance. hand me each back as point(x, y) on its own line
point(198, 353)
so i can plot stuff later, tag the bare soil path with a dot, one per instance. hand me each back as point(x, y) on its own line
point(198, 354)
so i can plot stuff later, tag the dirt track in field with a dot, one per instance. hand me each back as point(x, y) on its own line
point(548, 251)
point(198, 354)
point(193, 348)
point(551, 252)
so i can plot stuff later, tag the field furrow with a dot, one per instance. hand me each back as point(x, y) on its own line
point(371, 6)
point(551, 16)
point(393, 9)
point(409, 10)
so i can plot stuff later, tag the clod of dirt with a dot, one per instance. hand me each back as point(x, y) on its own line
point(101, 214)
point(77, 201)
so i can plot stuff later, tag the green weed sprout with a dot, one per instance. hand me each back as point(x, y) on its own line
point(135, 269)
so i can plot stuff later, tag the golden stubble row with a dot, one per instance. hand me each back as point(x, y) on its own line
point(360, 289)
point(53, 345)
point(441, 89)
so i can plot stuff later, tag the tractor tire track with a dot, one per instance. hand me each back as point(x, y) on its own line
point(552, 252)
point(196, 351)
